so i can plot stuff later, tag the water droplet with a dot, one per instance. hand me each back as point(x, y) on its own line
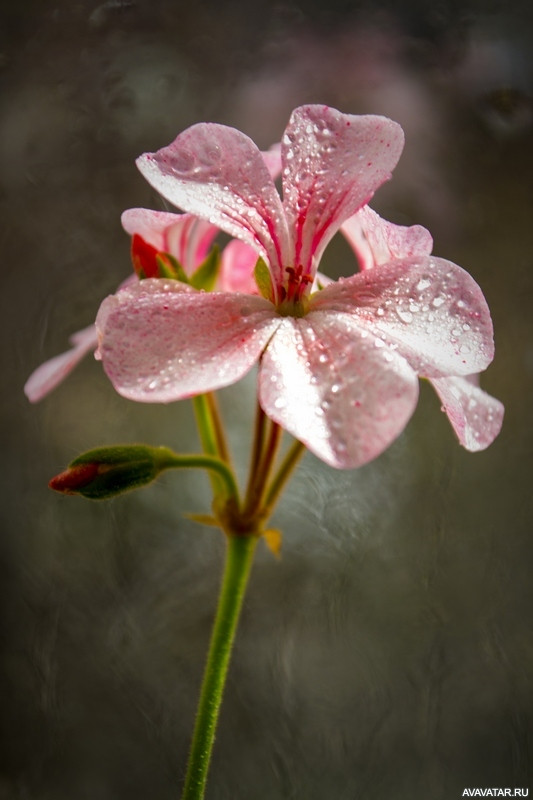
point(423, 283)
point(323, 358)
point(438, 301)
point(404, 315)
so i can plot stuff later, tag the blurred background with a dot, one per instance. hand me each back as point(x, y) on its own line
point(388, 655)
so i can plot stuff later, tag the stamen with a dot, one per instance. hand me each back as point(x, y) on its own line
point(292, 294)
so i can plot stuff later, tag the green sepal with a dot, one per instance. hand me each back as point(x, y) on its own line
point(108, 471)
point(164, 266)
point(205, 276)
point(263, 280)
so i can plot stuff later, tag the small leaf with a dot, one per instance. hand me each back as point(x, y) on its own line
point(206, 275)
point(165, 268)
point(263, 280)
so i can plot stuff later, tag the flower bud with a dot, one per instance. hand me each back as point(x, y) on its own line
point(108, 471)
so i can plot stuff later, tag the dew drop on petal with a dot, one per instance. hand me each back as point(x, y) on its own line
point(404, 316)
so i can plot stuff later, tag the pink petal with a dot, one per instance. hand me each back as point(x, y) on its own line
point(219, 174)
point(272, 159)
point(50, 374)
point(184, 236)
point(332, 165)
point(376, 241)
point(237, 268)
point(430, 310)
point(334, 390)
point(476, 417)
point(162, 341)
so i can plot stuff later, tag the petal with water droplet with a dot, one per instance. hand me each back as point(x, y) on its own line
point(161, 341)
point(376, 241)
point(450, 337)
point(333, 164)
point(345, 399)
point(475, 416)
point(219, 174)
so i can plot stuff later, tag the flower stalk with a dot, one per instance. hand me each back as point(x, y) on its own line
point(239, 557)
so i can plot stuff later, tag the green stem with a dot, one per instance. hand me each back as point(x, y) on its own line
point(209, 429)
point(169, 460)
point(239, 559)
point(218, 428)
point(204, 421)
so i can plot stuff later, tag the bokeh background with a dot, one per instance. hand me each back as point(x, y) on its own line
point(389, 654)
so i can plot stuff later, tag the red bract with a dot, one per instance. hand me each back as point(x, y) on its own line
point(338, 368)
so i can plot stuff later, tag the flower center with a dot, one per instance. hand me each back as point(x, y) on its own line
point(293, 294)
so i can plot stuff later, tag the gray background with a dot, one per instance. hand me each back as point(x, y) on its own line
point(388, 655)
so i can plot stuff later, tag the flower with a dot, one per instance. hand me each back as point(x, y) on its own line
point(475, 416)
point(154, 233)
point(338, 368)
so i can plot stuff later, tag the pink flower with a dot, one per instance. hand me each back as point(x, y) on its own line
point(183, 236)
point(475, 416)
point(338, 368)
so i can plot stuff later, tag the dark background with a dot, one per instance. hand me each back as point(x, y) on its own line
point(389, 654)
